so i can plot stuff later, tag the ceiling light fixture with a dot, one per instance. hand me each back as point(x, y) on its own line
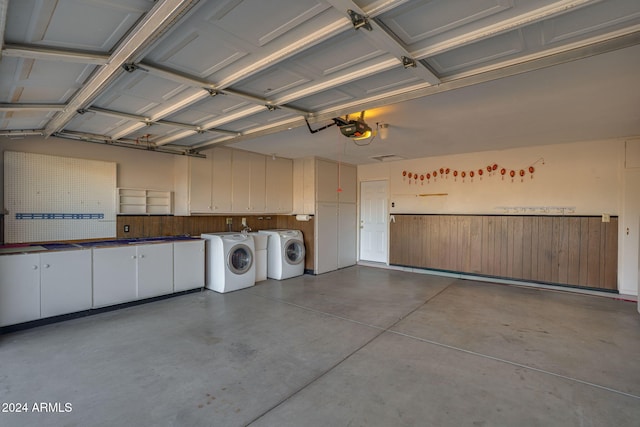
point(129, 67)
point(383, 130)
point(359, 21)
point(408, 62)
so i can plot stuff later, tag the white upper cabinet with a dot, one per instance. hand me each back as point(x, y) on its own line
point(257, 190)
point(232, 181)
point(221, 180)
point(326, 181)
point(203, 185)
point(247, 182)
point(241, 181)
point(304, 187)
point(348, 183)
point(200, 175)
point(279, 185)
point(335, 182)
point(318, 180)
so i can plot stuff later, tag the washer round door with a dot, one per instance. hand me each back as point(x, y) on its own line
point(294, 252)
point(240, 259)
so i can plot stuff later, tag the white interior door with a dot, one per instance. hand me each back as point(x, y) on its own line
point(629, 232)
point(629, 262)
point(374, 228)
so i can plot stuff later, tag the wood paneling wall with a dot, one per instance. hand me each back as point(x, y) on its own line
point(289, 222)
point(568, 250)
point(154, 226)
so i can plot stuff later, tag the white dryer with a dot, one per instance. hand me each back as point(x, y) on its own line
point(285, 253)
point(229, 261)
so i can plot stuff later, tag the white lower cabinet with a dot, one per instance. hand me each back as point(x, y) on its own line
point(347, 234)
point(114, 275)
point(19, 288)
point(128, 273)
point(65, 282)
point(336, 236)
point(326, 237)
point(46, 284)
point(34, 286)
point(155, 270)
point(188, 265)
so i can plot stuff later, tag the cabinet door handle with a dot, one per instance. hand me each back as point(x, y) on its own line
point(35, 267)
point(133, 257)
point(46, 266)
point(141, 256)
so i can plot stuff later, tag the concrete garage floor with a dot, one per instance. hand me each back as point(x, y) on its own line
point(359, 347)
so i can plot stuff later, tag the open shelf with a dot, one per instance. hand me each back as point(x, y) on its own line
point(137, 201)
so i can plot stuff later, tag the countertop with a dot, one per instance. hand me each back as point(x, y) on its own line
point(20, 248)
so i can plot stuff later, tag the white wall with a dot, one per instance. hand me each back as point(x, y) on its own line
point(586, 177)
point(136, 168)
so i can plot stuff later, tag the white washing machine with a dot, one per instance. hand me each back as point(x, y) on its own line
point(285, 253)
point(229, 261)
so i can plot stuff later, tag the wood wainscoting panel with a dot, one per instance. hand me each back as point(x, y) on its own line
point(609, 277)
point(573, 250)
point(568, 250)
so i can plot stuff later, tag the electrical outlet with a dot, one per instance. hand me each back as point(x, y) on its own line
point(126, 228)
point(229, 221)
point(244, 222)
point(606, 218)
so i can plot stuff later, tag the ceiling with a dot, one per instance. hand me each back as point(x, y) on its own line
point(446, 77)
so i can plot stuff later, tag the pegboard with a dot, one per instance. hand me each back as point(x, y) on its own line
point(50, 198)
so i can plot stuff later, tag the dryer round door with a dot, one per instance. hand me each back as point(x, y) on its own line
point(294, 252)
point(240, 259)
